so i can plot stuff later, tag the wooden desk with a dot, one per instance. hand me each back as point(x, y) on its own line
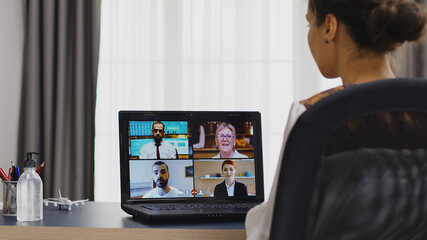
point(96, 220)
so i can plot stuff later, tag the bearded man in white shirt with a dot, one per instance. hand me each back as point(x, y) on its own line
point(158, 148)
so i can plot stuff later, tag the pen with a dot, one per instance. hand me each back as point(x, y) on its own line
point(3, 175)
point(9, 176)
point(6, 197)
point(17, 172)
point(5, 201)
point(41, 167)
point(14, 174)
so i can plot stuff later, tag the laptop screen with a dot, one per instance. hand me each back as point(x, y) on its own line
point(188, 155)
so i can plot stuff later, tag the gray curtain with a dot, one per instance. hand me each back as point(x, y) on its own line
point(411, 59)
point(57, 117)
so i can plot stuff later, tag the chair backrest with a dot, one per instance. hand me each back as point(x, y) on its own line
point(355, 166)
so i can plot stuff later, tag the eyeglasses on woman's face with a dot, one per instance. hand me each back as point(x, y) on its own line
point(222, 136)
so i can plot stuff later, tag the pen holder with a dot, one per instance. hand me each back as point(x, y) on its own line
point(9, 198)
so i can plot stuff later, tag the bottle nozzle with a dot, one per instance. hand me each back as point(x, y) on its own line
point(30, 154)
point(30, 162)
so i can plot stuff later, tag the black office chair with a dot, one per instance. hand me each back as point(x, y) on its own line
point(355, 166)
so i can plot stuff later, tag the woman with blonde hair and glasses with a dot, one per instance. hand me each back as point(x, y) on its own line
point(225, 139)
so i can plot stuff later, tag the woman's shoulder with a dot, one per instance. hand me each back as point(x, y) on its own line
point(314, 99)
point(236, 154)
point(220, 184)
point(239, 183)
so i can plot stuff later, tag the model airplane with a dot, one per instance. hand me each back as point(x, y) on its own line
point(63, 202)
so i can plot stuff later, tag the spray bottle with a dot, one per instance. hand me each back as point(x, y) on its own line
point(30, 192)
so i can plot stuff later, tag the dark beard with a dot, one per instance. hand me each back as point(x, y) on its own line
point(162, 184)
point(157, 141)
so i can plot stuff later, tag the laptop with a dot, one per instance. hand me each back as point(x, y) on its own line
point(193, 165)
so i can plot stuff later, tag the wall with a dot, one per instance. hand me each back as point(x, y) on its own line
point(11, 42)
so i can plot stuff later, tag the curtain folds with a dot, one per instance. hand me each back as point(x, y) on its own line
point(57, 116)
point(209, 55)
point(410, 60)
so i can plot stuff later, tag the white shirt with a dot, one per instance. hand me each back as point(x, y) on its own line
point(258, 220)
point(236, 154)
point(230, 190)
point(173, 192)
point(149, 150)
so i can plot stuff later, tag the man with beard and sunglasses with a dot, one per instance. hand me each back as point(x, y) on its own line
point(158, 148)
point(161, 177)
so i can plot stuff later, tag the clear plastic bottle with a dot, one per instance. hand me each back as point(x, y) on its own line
point(30, 193)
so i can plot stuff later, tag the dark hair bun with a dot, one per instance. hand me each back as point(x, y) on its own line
point(392, 22)
point(376, 25)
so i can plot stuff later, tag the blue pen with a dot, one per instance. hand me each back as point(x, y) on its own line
point(17, 172)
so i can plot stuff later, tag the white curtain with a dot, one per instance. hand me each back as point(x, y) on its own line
point(197, 55)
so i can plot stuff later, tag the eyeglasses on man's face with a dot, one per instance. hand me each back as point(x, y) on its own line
point(158, 130)
point(222, 136)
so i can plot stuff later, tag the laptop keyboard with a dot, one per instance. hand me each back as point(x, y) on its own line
point(193, 206)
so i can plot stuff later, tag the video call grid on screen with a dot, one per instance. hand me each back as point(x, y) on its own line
point(196, 166)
